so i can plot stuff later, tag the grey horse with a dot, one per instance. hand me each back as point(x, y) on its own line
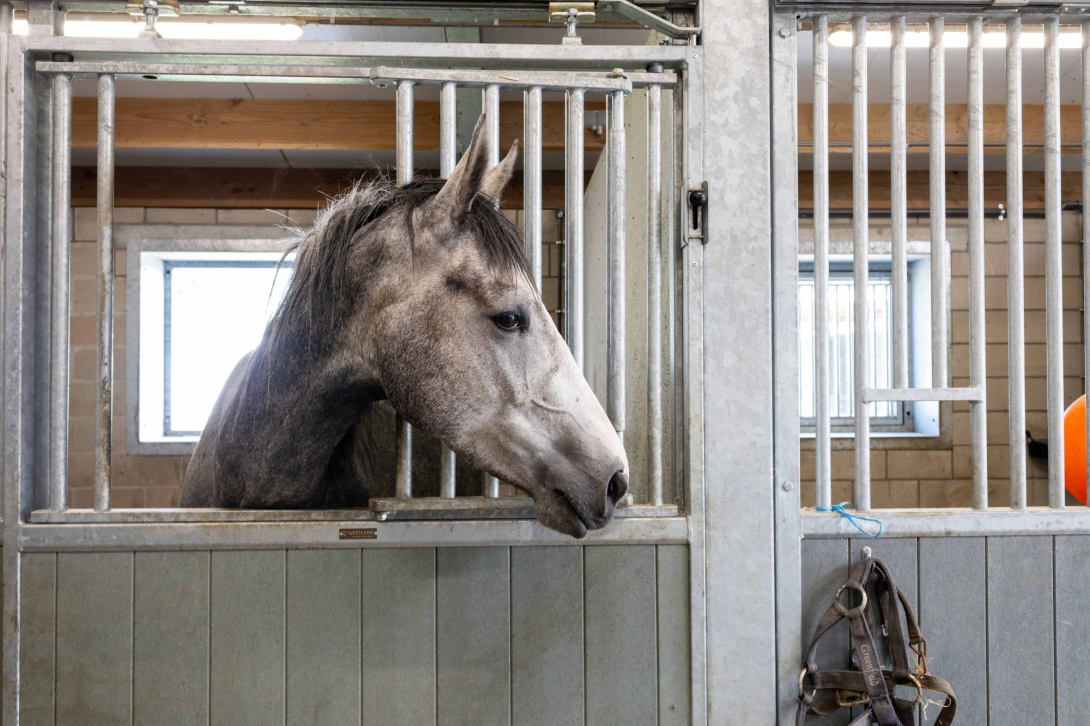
point(420, 296)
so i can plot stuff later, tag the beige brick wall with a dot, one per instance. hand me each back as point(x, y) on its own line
point(930, 473)
point(155, 481)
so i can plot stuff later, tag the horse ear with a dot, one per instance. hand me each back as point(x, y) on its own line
point(497, 177)
point(466, 179)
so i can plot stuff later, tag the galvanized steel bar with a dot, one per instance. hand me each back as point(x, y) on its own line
point(573, 224)
point(104, 308)
point(1054, 268)
point(404, 477)
point(1085, 215)
point(654, 291)
point(616, 217)
point(448, 156)
point(860, 220)
point(490, 484)
point(531, 185)
point(899, 200)
point(1016, 338)
point(978, 421)
point(940, 251)
point(61, 243)
point(823, 441)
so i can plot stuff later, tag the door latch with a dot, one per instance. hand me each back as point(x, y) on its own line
point(698, 214)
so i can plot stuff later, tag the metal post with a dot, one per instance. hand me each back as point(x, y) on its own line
point(1053, 268)
point(654, 290)
point(1086, 212)
point(531, 197)
point(404, 481)
point(489, 483)
point(940, 252)
point(860, 243)
point(616, 216)
point(62, 214)
point(823, 442)
point(899, 201)
point(573, 224)
point(105, 294)
point(448, 155)
point(1016, 350)
point(978, 420)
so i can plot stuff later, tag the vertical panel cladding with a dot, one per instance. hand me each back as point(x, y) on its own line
point(247, 638)
point(673, 631)
point(621, 643)
point(1020, 631)
point(1072, 630)
point(399, 641)
point(825, 565)
point(323, 637)
point(473, 635)
point(954, 618)
point(170, 638)
point(38, 637)
point(547, 636)
point(94, 638)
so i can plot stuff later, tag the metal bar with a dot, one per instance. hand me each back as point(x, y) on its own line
point(1053, 268)
point(573, 224)
point(861, 372)
point(616, 217)
point(531, 185)
point(978, 410)
point(490, 484)
point(1085, 216)
point(404, 477)
point(940, 253)
point(1016, 338)
point(955, 523)
point(448, 156)
point(899, 200)
point(646, 18)
point(551, 80)
point(655, 421)
point(105, 294)
point(823, 443)
point(922, 394)
point(62, 214)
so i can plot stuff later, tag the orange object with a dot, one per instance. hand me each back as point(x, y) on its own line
point(1075, 449)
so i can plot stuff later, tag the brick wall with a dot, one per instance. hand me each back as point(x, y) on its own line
point(938, 472)
point(155, 481)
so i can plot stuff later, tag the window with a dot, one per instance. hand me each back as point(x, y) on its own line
point(886, 417)
point(199, 313)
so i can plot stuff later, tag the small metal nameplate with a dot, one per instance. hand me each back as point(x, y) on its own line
point(359, 533)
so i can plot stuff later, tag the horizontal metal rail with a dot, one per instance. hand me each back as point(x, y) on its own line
point(996, 521)
point(547, 80)
point(922, 394)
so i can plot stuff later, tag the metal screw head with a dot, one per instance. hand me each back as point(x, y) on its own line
point(787, 486)
point(785, 33)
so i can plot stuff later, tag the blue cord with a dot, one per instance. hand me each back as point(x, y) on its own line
point(840, 509)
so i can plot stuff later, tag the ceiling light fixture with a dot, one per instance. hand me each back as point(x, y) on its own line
point(177, 28)
point(953, 39)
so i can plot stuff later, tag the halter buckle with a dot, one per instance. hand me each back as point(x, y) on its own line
point(843, 702)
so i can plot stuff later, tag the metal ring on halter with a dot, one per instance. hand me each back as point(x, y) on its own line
point(802, 689)
point(850, 586)
point(919, 690)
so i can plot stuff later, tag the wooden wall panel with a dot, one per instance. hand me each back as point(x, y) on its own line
point(94, 638)
point(621, 639)
point(323, 637)
point(247, 638)
point(170, 638)
point(399, 637)
point(38, 638)
point(547, 636)
point(1072, 630)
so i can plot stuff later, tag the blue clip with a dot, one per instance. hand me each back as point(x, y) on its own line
point(853, 518)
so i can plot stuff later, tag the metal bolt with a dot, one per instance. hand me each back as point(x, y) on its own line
point(787, 486)
point(785, 33)
point(867, 552)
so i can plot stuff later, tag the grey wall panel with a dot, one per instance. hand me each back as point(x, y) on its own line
point(824, 570)
point(673, 620)
point(38, 620)
point(953, 615)
point(473, 632)
point(1072, 630)
point(621, 639)
point(94, 638)
point(399, 637)
point(1020, 631)
point(323, 656)
point(547, 636)
point(247, 638)
point(170, 638)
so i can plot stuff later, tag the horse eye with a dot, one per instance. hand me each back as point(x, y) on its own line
point(508, 321)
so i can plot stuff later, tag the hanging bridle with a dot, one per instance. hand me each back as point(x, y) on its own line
point(870, 685)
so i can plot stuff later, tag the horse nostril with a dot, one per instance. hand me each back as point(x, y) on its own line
point(618, 487)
